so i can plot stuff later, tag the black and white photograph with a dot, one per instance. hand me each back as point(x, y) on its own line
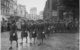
point(39, 25)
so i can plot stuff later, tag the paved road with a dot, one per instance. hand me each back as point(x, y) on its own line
point(55, 42)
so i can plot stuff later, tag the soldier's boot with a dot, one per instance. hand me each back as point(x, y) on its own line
point(17, 44)
point(10, 46)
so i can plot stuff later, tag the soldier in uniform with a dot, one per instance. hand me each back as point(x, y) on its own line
point(24, 31)
point(13, 33)
point(34, 35)
point(41, 34)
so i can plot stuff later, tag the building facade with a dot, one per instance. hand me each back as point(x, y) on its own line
point(7, 7)
point(21, 10)
point(33, 10)
point(50, 9)
point(41, 14)
point(33, 15)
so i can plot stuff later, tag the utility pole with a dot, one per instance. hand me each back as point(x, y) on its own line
point(58, 3)
point(50, 14)
point(49, 10)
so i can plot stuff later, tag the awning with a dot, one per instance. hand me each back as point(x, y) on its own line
point(5, 17)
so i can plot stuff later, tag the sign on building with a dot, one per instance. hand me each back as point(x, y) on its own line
point(54, 13)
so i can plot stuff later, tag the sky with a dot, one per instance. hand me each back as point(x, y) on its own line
point(39, 4)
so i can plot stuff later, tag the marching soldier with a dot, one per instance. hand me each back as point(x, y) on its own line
point(13, 33)
point(34, 35)
point(24, 31)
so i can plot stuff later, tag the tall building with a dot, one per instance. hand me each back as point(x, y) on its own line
point(50, 10)
point(33, 14)
point(7, 7)
point(21, 10)
point(33, 17)
point(41, 14)
point(33, 10)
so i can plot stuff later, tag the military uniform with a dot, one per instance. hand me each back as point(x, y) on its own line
point(34, 34)
point(24, 30)
point(13, 33)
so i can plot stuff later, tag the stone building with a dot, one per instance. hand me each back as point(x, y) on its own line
point(21, 10)
point(8, 7)
point(50, 9)
point(33, 10)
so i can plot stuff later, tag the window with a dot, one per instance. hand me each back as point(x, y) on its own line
point(9, 5)
point(5, 2)
point(2, 11)
point(6, 10)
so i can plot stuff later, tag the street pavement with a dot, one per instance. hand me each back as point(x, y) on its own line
point(58, 41)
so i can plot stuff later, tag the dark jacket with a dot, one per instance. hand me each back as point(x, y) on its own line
point(34, 34)
point(23, 27)
point(13, 27)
